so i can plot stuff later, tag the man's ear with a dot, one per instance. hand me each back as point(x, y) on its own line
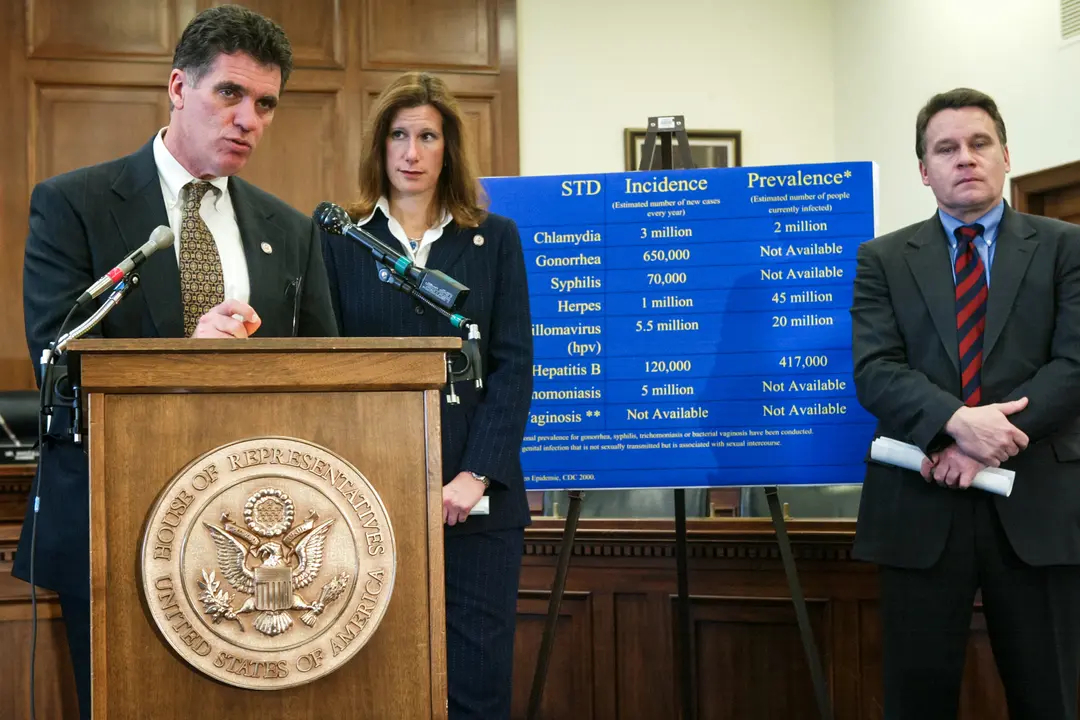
point(178, 83)
point(923, 174)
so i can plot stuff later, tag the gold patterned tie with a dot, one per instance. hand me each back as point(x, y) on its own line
point(202, 285)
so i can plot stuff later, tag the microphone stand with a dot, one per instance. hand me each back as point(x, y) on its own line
point(54, 377)
point(55, 383)
point(470, 348)
point(122, 288)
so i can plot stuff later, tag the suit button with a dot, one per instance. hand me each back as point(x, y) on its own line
point(419, 310)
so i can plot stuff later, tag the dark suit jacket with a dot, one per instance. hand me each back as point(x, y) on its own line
point(484, 432)
point(907, 374)
point(81, 224)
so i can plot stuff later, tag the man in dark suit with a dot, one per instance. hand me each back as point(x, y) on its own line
point(243, 261)
point(966, 342)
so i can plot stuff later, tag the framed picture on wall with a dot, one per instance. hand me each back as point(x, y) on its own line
point(708, 148)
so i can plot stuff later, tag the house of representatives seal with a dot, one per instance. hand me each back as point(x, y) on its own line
point(267, 563)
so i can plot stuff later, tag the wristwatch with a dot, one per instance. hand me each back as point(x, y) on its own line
point(481, 478)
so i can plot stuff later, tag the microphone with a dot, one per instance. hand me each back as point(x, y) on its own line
point(439, 288)
point(161, 238)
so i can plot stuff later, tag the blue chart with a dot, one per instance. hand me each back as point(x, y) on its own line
point(691, 327)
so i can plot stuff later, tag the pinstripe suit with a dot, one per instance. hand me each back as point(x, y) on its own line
point(482, 434)
point(81, 224)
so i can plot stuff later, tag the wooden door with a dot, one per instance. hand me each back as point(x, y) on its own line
point(1054, 192)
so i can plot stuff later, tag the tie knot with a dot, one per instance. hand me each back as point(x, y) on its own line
point(966, 233)
point(196, 189)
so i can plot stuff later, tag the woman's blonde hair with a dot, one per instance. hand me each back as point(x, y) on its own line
point(458, 190)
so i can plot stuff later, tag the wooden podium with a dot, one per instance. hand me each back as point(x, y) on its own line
point(153, 407)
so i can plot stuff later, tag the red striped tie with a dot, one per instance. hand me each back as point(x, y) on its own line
point(971, 293)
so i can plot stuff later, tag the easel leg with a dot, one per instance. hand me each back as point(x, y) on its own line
point(686, 669)
point(809, 646)
point(548, 642)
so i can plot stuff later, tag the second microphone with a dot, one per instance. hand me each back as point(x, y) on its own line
point(436, 286)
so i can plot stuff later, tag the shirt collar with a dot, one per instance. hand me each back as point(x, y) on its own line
point(383, 205)
point(990, 222)
point(175, 176)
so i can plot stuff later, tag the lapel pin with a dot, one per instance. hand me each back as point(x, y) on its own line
point(478, 240)
point(266, 248)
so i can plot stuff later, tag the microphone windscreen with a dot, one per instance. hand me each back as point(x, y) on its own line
point(331, 218)
point(162, 237)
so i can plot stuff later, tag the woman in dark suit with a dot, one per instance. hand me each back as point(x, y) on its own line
point(419, 193)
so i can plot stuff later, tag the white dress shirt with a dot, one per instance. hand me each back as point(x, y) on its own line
point(415, 250)
point(216, 211)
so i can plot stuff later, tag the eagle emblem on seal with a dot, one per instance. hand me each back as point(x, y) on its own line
point(270, 562)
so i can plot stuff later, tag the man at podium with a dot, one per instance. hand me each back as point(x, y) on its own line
point(243, 261)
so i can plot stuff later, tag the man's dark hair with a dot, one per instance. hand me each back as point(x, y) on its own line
point(229, 29)
point(954, 100)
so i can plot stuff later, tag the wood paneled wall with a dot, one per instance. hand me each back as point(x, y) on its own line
point(55, 683)
point(616, 657)
point(84, 82)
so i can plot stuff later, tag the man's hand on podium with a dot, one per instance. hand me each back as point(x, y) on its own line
point(231, 318)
